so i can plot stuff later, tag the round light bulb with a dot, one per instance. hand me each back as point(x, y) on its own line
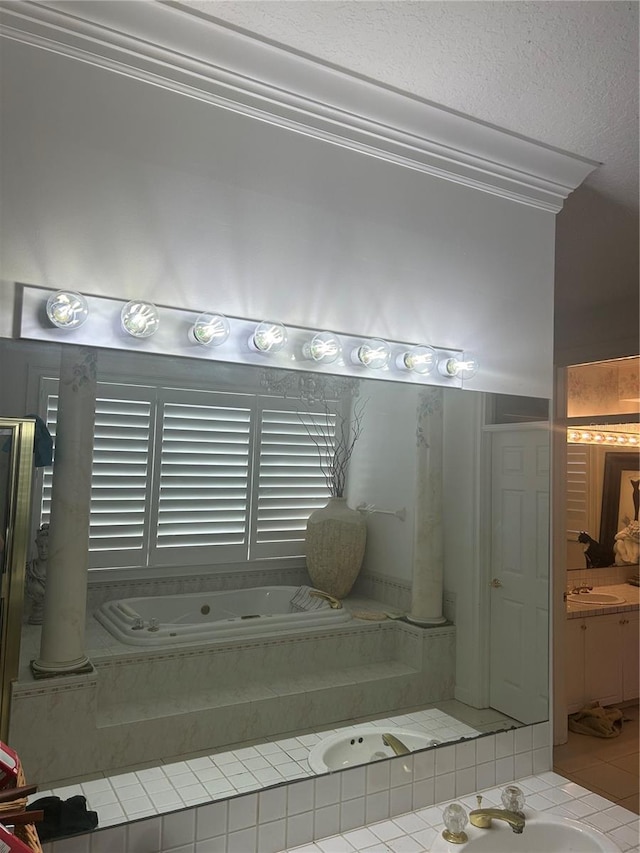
point(464, 367)
point(140, 319)
point(323, 347)
point(418, 359)
point(210, 330)
point(374, 354)
point(67, 309)
point(269, 337)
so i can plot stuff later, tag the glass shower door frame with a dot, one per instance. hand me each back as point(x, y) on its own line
point(16, 476)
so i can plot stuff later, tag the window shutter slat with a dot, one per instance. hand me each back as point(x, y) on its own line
point(204, 475)
point(291, 483)
point(120, 472)
point(193, 477)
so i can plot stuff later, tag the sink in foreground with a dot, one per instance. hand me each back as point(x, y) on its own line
point(362, 745)
point(596, 598)
point(543, 832)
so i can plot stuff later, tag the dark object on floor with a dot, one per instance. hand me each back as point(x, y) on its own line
point(597, 556)
point(63, 817)
point(597, 721)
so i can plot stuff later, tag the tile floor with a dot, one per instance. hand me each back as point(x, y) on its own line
point(609, 767)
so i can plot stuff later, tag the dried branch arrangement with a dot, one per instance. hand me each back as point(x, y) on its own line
point(335, 436)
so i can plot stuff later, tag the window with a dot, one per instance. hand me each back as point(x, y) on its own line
point(188, 477)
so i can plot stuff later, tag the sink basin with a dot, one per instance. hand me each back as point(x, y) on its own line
point(543, 832)
point(596, 598)
point(362, 745)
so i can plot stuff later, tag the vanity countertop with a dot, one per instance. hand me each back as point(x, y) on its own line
point(630, 593)
point(546, 792)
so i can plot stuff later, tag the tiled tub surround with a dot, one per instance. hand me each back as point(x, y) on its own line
point(214, 581)
point(136, 708)
point(380, 587)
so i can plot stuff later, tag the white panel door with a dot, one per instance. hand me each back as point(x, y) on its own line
point(519, 650)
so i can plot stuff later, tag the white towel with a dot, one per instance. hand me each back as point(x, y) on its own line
point(303, 601)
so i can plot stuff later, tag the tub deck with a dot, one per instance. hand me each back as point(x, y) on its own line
point(141, 705)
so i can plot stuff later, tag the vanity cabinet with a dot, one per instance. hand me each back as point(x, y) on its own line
point(602, 659)
point(630, 636)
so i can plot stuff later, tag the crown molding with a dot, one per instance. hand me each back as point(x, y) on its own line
point(167, 45)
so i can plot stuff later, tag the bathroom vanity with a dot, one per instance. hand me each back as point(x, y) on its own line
point(602, 647)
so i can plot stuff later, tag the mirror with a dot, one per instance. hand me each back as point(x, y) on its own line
point(602, 504)
point(603, 464)
point(495, 521)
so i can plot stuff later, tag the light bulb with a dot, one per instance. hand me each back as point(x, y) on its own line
point(268, 337)
point(418, 359)
point(323, 347)
point(374, 354)
point(140, 319)
point(67, 309)
point(210, 330)
point(464, 367)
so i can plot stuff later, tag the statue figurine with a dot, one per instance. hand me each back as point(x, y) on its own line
point(596, 556)
point(37, 576)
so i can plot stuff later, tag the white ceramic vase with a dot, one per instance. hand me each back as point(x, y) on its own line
point(335, 542)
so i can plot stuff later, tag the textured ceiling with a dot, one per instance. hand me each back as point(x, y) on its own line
point(563, 73)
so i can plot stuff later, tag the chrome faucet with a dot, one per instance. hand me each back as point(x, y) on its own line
point(482, 817)
point(396, 745)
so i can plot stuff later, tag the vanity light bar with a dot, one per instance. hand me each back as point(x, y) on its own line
point(602, 437)
point(141, 326)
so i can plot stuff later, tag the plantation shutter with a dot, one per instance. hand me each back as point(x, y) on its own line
point(202, 487)
point(290, 482)
point(187, 477)
point(577, 489)
point(120, 473)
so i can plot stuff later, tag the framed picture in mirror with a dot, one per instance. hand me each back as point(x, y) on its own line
point(621, 505)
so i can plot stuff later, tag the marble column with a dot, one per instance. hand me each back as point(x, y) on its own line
point(428, 567)
point(62, 645)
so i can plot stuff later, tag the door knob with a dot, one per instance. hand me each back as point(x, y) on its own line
point(495, 583)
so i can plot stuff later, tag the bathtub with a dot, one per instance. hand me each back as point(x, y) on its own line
point(209, 616)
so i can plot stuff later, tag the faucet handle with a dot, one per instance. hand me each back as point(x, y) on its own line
point(513, 799)
point(455, 820)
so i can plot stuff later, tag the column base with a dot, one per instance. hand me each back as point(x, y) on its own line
point(40, 669)
point(427, 621)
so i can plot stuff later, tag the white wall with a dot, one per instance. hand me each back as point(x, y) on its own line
point(115, 187)
point(383, 473)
